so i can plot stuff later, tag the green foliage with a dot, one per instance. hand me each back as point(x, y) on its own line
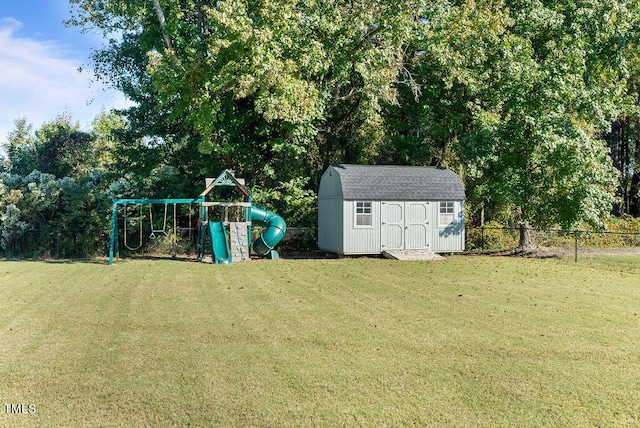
point(514, 95)
point(258, 86)
point(107, 128)
point(290, 200)
point(60, 179)
point(613, 233)
point(11, 225)
point(62, 149)
point(21, 148)
point(493, 237)
point(40, 201)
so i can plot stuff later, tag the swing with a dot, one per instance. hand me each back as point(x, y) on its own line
point(125, 229)
point(176, 230)
point(164, 224)
point(175, 226)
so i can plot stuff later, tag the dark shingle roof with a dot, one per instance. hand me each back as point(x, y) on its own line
point(391, 182)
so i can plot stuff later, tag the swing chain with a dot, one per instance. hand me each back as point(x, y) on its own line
point(125, 228)
point(164, 223)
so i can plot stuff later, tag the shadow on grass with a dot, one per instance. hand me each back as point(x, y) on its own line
point(527, 252)
point(96, 261)
point(183, 259)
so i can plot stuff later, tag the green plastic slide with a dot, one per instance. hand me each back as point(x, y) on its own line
point(274, 233)
point(220, 252)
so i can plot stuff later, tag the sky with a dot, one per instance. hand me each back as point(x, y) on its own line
point(39, 63)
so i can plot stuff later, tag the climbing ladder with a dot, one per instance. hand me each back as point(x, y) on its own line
point(239, 241)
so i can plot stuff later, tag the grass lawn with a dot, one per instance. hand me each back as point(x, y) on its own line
point(473, 341)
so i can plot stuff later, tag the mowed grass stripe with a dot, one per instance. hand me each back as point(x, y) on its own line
point(472, 341)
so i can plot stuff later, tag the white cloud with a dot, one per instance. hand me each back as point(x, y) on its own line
point(38, 82)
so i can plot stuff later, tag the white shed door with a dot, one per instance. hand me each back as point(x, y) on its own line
point(405, 225)
point(417, 225)
point(392, 230)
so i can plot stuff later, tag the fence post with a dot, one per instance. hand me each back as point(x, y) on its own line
point(575, 235)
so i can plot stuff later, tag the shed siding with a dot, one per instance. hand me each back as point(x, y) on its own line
point(330, 184)
point(408, 225)
point(330, 221)
point(451, 238)
point(359, 239)
point(330, 225)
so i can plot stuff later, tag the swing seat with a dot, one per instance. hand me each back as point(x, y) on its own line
point(125, 230)
point(161, 231)
point(164, 223)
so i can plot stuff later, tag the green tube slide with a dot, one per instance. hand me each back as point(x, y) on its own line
point(274, 233)
point(220, 252)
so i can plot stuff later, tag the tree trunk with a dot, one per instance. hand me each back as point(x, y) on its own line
point(163, 24)
point(525, 235)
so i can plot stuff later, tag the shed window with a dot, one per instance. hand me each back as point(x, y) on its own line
point(363, 214)
point(446, 213)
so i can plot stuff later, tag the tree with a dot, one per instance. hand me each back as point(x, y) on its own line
point(515, 95)
point(107, 130)
point(623, 139)
point(21, 148)
point(63, 150)
point(274, 89)
point(502, 91)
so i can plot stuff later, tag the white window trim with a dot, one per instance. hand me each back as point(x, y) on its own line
point(442, 224)
point(355, 215)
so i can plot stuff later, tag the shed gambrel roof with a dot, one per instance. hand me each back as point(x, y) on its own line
point(395, 182)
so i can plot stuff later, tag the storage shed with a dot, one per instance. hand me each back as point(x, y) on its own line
point(368, 209)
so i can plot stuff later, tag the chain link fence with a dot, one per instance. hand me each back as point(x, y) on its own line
point(58, 243)
point(497, 240)
point(86, 243)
